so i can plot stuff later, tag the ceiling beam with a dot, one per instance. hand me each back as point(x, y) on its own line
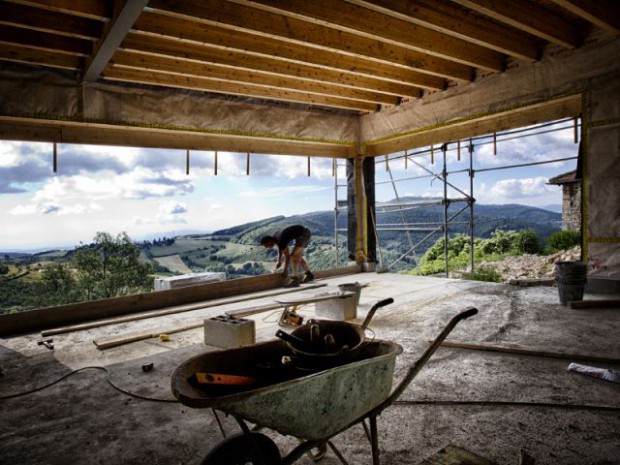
point(37, 130)
point(533, 20)
point(367, 23)
point(38, 57)
point(338, 67)
point(602, 13)
point(49, 21)
point(45, 41)
point(569, 106)
point(92, 9)
point(275, 26)
point(115, 73)
point(115, 32)
point(234, 59)
point(213, 71)
point(447, 18)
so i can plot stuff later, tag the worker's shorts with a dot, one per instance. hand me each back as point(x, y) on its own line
point(303, 239)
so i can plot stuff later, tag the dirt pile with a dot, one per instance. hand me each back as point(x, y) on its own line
point(531, 266)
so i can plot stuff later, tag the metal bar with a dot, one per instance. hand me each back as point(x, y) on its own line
point(118, 29)
point(215, 164)
point(187, 162)
point(471, 210)
point(247, 164)
point(55, 158)
point(445, 208)
point(521, 165)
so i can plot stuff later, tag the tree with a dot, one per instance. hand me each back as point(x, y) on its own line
point(57, 287)
point(110, 267)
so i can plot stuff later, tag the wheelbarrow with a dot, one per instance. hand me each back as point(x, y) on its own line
point(332, 399)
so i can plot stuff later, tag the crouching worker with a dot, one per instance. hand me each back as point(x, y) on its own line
point(281, 239)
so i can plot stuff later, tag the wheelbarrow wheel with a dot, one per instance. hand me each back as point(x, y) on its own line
point(242, 450)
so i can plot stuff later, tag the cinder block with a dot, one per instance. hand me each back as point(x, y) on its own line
point(228, 332)
point(340, 308)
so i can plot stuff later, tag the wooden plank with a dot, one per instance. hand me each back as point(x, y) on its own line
point(602, 303)
point(562, 107)
point(275, 26)
point(170, 311)
point(315, 298)
point(115, 341)
point(447, 18)
point(529, 352)
point(361, 21)
point(157, 78)
point(534, 20)
point(226, 73)
point(284, 57)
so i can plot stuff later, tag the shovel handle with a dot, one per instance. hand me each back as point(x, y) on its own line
point(375, 307)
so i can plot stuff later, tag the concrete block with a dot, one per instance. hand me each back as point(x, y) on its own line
point(340, 308)
point(227, 332)
point(184, 280)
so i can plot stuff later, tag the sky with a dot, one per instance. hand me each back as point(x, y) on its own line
point(147, 193)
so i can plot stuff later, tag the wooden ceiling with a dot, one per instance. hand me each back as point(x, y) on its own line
point(356, 55)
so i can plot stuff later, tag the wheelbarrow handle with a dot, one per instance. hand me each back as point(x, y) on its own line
point(375, 307)
point(417, 366)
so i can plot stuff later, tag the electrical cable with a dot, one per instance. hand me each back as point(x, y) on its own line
point(507, 403)
point(108, 379)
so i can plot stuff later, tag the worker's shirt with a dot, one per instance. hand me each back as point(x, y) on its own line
point(285, 236)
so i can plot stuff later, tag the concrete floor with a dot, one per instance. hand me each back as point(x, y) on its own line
point(84, 420)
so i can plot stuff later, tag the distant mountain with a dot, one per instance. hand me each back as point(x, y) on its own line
point(424, 219)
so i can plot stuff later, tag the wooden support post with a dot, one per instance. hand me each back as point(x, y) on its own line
point(576, 130)
point(55, 159)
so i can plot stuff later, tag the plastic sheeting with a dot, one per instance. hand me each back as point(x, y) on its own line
point(33, 92)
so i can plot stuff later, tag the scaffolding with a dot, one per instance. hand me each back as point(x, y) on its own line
point(465, 195)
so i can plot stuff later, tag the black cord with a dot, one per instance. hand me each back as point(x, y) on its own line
point(108, 379)
point(507, 403)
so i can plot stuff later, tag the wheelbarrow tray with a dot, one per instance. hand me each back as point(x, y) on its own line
point(310, 406)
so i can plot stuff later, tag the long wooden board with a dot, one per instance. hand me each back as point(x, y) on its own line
point(172, 310)
point(535, 353)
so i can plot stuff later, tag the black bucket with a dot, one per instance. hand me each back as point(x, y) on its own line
point(571, 278)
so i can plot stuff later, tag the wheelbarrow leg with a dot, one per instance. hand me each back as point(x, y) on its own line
point(374, 440)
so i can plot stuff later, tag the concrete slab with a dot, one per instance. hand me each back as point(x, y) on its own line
point(471, 399)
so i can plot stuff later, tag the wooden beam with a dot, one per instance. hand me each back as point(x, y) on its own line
point(235, 88)
point(222, 73)
point(242, 60)
point(37, 130)
point(484, 124)
point(376, 26)
point(602, 303)
point(534, 20)
point(49, 21)
point(38, 57)
point(298, 60)
point(45, 41)
point(238, 17)
point(602, 13)
point(447, 18)
point(529, 352)
point(115, 32)
point(93, 9)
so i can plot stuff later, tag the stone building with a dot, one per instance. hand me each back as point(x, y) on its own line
point(571, 199)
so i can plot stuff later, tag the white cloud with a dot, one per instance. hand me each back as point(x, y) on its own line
point(513, 189)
